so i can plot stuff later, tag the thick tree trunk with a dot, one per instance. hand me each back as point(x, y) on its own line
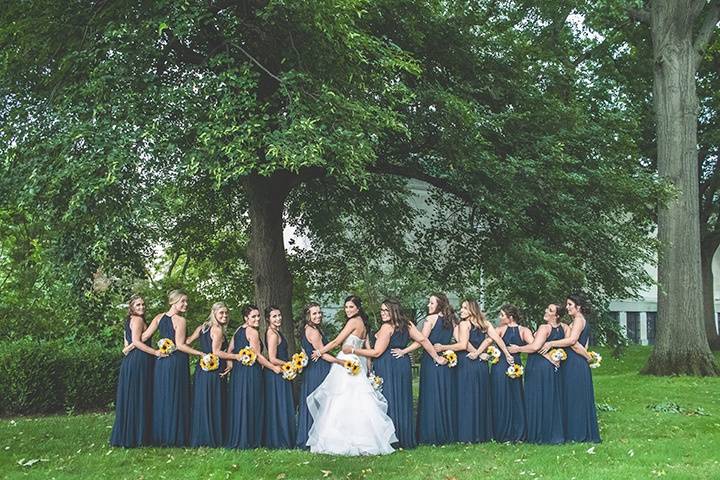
point(266, 251)
point(707, 253)
point(681, 344)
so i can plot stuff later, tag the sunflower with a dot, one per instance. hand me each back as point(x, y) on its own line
point(595, 359)
point(352, 366)
point(166, 346)
point(451, 358)
point(494, 353)
point(288, 371)
point(558, 354)
point(515, 371)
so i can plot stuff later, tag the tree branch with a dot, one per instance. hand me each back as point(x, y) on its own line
point(416, 173)
point(707, 28)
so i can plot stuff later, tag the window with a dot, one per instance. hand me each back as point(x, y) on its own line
point(651, 317)
point(633, 327)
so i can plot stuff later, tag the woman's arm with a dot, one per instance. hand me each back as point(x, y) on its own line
point(152, 327)
point(315, 340)
point(344, 333)
point(422, 340)
point(427, 328)
point(273, 340)
point(462, 334)
point(216, 334)
point(254, 340)
point(535, 344)
point(575, 330)
point(195, 335)
point(179, 324)
point(497, 338)
point(136, 328)
point(481, 348)
point(382, 340)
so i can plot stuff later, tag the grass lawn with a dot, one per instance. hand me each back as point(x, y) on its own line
point(678, 438)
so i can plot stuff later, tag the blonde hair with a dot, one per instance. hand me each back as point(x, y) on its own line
point(174, 296)
point(477, 317)
point(211, 319)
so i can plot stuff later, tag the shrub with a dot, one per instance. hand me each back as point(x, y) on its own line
point(55, 376)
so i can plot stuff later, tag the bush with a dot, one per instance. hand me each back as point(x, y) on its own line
point(55, 376)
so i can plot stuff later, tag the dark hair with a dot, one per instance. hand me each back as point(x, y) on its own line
point(512, 311)
point(398, 319)
point(305, 320)
point(269, 309)
point(361, 313)
point(247, 310)
point(559, 310)
point(445, 310)
point(579, 299)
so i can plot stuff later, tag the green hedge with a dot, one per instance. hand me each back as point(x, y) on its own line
point(56, 376)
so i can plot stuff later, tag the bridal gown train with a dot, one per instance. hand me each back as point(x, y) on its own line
point(349, 415)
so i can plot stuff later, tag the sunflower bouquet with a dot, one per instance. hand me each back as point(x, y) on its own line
point(595, 359)
point(247, 356)
point(166, 346)
point(352, 366)
point(515, 371)
point(558, 354)
point(494, 354)
point(209, 362)
point(299, 361)
point(451, 357)
point(376, 381)
point(288, 371)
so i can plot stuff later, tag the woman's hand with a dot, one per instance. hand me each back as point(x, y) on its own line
point(397, 352)
point(438, 347)
point(316, 354)
point(228, 366)
point(276, 369)
point(545, 348)
point(160, 354)
point(484, 357)
point(441, 361)
point(347, 349)
point(473, 355)
point(510, 359)
point(513, 348)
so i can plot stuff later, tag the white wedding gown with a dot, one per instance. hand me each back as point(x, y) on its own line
point(349, 415)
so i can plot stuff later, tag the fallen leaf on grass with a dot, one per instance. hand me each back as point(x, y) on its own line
point(326, 473)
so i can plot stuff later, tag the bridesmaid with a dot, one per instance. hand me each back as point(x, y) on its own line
point(474, 334)
point(507, 393)
point(279, 425)
point(436, 419)
point(543, 389)
point(171, 385)
point(580, 417)
point(134, 400)
point(311, 338)
point(209, 389)
point(245, 397)
point(394, 334)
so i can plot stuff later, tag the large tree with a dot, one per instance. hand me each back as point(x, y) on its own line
point(680, 32)
point(137, 124)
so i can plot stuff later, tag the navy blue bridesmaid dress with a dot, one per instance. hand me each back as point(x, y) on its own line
point(313, 375)
point(437, 406)
point(133, 404)
point(171, 387)
point(397, 388)
point(473, 391)
point(543, 397)
point(580, 417)
point(245, 399)
point(508, 407)
point(208, 401)
point(279, 424)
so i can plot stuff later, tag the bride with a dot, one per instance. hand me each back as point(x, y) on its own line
point(349, 415)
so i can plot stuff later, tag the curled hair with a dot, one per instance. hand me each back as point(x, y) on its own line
point(211, 319)
point(174, 296)
point(579, 300)
point(477, 317)
point(361, 313)
point(513, 312)
point(445, 310)
point(305, 321)
point(398, 319)
point(130, 313)
point(248, 309)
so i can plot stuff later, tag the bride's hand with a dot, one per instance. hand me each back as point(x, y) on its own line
point(397, 352)
point(347, 349)
point(315, 355)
